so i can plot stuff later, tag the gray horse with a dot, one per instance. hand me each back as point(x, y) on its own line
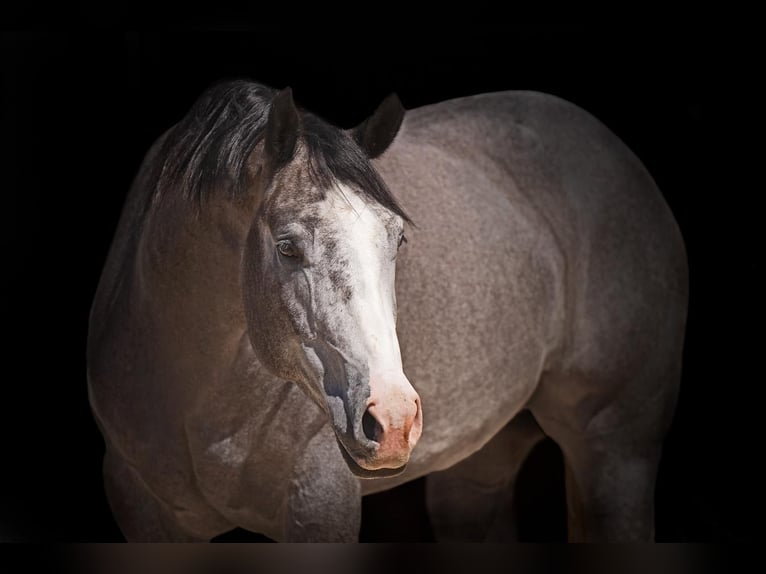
point(266, 346)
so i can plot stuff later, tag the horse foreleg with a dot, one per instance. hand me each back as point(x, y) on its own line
point(472, 501)
point(140, 516)
point(325, 501)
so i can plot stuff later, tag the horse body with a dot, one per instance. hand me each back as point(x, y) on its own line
point(553, 262)
point(545, 273)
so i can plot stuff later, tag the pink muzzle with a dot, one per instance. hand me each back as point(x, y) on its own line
point(393, 420)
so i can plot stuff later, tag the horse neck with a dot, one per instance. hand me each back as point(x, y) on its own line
point(190, 266)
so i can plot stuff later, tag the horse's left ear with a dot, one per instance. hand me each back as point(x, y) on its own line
point(376, 133)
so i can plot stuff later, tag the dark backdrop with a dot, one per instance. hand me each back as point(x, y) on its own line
point(81, 108)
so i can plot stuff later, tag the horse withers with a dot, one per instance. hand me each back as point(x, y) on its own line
point(293, 315)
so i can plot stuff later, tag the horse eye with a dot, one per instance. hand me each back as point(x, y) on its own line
point(286, 248)
point(402, 239)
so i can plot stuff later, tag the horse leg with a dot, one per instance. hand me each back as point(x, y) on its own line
point(611, 438)
point(140, 516)
point(325, 501)
point(472, 501)
point(610, 482)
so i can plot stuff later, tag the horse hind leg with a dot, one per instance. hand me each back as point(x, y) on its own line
point(610, 488)
point(140, 516)
point(610, 474)
point(473, 501)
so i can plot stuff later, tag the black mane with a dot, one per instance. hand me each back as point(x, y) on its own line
point(208, 149)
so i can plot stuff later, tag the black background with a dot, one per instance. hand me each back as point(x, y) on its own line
point(80, 108)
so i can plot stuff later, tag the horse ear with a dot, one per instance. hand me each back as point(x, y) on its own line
point(281, 130)
point(376, 133)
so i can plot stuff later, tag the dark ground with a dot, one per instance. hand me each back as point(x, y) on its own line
point(81, 108)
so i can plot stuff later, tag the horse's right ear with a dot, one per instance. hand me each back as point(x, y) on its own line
point(281, 130)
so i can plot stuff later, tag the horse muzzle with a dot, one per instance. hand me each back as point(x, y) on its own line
point(390, 427)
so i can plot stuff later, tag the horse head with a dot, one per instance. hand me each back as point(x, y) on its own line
point(318, 279)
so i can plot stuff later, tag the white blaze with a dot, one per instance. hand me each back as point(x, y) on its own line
point(367, 244)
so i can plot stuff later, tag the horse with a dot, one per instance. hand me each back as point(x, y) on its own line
point(293, 315)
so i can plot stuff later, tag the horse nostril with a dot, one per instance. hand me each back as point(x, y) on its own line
point(371, 427)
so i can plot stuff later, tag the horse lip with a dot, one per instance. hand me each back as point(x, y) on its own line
point(360, 472)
